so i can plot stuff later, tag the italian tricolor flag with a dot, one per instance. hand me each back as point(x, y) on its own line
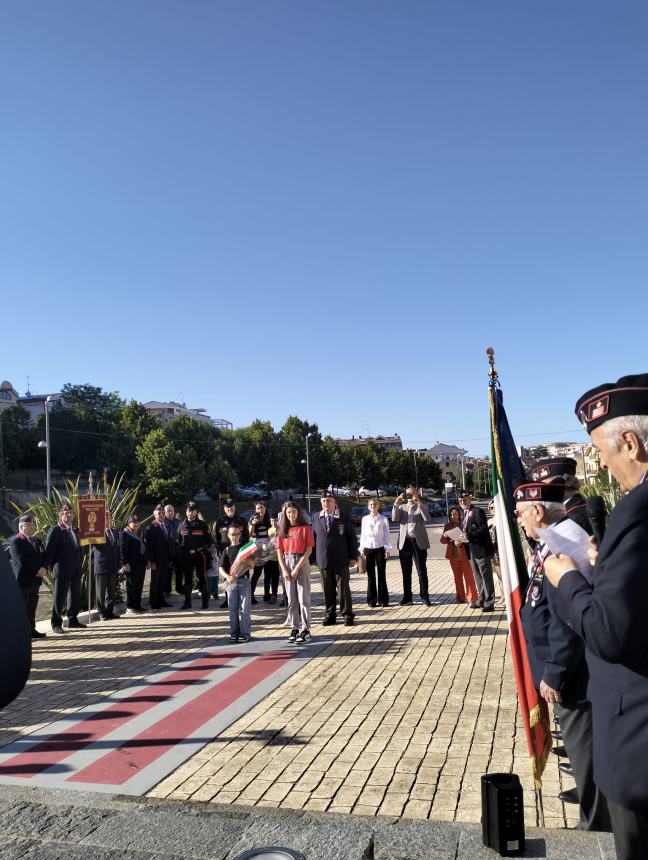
point(244, 552)
point(508, 472)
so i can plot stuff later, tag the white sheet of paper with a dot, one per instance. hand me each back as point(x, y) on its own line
point(569, 539)
point(455, 534)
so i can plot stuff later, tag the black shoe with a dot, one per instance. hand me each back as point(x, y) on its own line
point(476, 604)
point(559, 751)
point(234, 639)
point(293, 636)
point(112, 617)
point(328, 622)
point(186, 605)
point(385, 603)
point(165, 605)
point(58, 631)
point(223, 605)
point(348, 620)
point(273, 599)
point(266, 598)
point(426, 601)
point(487, 609)
point(205, 604)
point(36, 634)
point(373, 605)
point(565, 767)
point(570, 796)
point(404, 602)
point(556, 735)
point(254, 600)
point(304, 637)
point(75, 624)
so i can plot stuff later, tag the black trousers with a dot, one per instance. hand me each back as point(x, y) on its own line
point(66, 594)
point(576, 728)
point(376, 561)
point(270, 579)
point(195, 564)
point(156, 589)
point(408, 553)
point(174, 568)
point(331, 576)
point(106, 585)
point(30, 596)
point(630, 832)
point(134, 587)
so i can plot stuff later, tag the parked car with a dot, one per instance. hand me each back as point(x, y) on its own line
point(387, 511)
point(341, 491)
point(253, 492)
point(436, 510)
point(357, 513)
point(364, 491)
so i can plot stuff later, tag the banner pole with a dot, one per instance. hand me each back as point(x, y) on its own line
point(90, 493)
point(539, 807)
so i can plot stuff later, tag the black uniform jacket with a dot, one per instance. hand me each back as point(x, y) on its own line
point(62, 553)
point(610, 615)
point(576, 511)
point(105, 556)
point(478, 534)
point(336, 547)
point(222, 525)
point(130, 551)
point(556, 653)
point(26, 560)
point(157, 543)
point(15, 635)
point(197, 539)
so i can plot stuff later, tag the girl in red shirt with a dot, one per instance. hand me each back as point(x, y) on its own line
point(294, 545)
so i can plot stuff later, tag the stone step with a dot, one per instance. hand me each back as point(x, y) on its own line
point(50, 824)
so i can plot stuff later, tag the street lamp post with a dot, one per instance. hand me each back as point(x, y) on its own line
point(415, 471)
point(46, 445)
point(308, 435)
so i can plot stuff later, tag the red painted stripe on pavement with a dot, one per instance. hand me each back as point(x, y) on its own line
point(117, 767)
point(49, 752)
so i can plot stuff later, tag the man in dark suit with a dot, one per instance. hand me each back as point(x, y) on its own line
point(336, 549)
point(27, 556)
point(481, 549)
point(609, 613)
point(14, 636)
point(105, 561)
point(133, 558)
point(159, 554)
point(63, 558)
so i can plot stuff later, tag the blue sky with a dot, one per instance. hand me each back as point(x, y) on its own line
point(327, 209)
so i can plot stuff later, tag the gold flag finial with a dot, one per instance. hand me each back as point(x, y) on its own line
point(490, 352)
point(90, 487)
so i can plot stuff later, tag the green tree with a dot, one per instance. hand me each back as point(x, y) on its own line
point(170, 473)
point(118, 452)
point(18, 437)
point(262, 456)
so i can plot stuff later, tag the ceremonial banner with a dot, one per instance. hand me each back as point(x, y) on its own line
point(92, 520)
point(507, 473)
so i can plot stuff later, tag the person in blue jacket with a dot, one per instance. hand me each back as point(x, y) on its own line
point(609, 613)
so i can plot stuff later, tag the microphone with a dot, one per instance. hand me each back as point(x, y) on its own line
point(597, 515)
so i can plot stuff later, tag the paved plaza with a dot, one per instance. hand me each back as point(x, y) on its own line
point(398, 715)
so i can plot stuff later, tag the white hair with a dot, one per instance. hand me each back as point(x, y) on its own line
point(616, 426)
point(553, 510)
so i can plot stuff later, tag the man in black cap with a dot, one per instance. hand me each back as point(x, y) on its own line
point(63, 558)
point(609, 613)
point(336, 549)
point(556, 653)
point(562, 470)
point(221, 527)
point(194, 540)
point(133, 557)
point(27, 557)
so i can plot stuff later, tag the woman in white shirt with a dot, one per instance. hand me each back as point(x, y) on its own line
point(375, 546)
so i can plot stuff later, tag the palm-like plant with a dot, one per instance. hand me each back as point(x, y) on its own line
point(120, 502)
point(605, 486)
